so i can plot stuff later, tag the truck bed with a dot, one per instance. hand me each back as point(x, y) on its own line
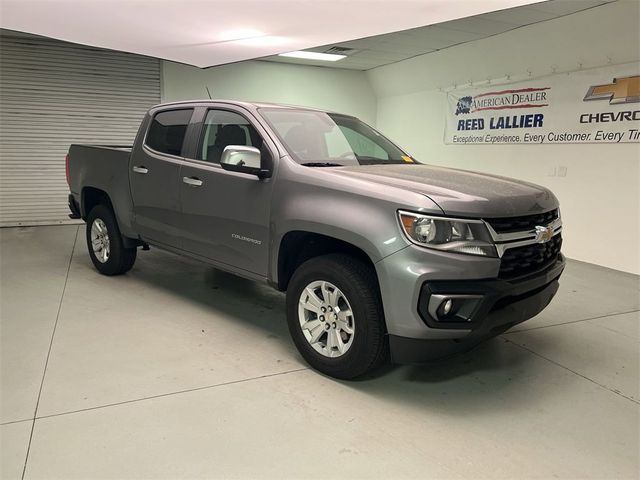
point(96, 165)
point(105, 168)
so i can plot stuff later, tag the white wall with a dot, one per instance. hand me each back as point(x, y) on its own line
point(600, 196)
point(344, 91)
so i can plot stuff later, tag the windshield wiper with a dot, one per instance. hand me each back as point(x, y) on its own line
point(321, 164)
point(365, 160)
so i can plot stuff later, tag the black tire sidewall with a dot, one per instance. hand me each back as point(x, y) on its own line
point(364, 298)
point(119, 258)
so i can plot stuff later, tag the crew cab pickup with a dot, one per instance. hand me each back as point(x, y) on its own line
point(379, 254)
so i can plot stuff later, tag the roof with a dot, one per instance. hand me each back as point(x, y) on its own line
point(249, 105)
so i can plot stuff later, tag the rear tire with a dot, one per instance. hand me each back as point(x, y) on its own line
point(347, 289)
point(105, 244)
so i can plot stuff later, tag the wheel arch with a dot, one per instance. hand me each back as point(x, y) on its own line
point(92, 196)
point(298, 246)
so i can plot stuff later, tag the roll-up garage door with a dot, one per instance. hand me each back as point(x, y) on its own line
point(53, 94)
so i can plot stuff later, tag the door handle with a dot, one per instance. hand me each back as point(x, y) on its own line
point(192, 181)
point(141, 169)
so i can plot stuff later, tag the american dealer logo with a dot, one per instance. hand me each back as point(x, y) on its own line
point(504, 99)
point(516, 99)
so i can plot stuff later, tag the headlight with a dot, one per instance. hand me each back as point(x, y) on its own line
point(448, 234)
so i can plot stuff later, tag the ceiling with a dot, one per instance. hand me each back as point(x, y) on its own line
point(214, 32)
point(375, 51)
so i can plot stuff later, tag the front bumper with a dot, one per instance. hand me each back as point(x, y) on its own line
point(415, 336)
point(503, 307)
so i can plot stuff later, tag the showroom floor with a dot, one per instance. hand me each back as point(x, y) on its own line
point(177, 370)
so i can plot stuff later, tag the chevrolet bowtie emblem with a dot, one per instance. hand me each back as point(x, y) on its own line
point(622, 90)
point(543, 234)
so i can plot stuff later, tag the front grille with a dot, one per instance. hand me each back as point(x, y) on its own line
point(524, 223)
point(530, 258)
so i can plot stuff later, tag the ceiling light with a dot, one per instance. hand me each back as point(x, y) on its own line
point(327, 57)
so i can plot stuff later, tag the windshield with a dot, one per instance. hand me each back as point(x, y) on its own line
point(328, 139)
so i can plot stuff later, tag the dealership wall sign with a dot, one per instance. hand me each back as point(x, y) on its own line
point(592, 106)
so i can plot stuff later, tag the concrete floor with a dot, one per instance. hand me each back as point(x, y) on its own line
point(176, 370)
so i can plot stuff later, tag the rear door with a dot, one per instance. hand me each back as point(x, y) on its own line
point(155, 177)
point(225, 215)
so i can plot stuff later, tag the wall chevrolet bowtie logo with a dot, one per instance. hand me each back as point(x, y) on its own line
point(543, 234)
point(622, 90)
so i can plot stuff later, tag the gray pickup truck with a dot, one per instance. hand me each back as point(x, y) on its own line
point(379, 254)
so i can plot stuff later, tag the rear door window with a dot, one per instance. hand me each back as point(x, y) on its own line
point(167, 131)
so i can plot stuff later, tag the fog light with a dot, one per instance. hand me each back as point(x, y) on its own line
point(446, 307)
point(453, 307)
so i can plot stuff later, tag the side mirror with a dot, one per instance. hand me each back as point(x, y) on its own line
point(243, 159)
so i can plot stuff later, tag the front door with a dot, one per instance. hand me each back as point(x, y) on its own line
point(155, 177)
point(225, 215)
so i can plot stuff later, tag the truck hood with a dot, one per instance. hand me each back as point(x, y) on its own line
point(459, 192)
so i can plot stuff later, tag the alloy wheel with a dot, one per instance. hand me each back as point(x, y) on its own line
point(326, 319)
point(100, 241)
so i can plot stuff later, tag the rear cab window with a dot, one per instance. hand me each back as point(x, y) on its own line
point(167, 131)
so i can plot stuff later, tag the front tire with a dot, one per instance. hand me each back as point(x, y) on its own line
point(105, 244)
point(335, 316)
